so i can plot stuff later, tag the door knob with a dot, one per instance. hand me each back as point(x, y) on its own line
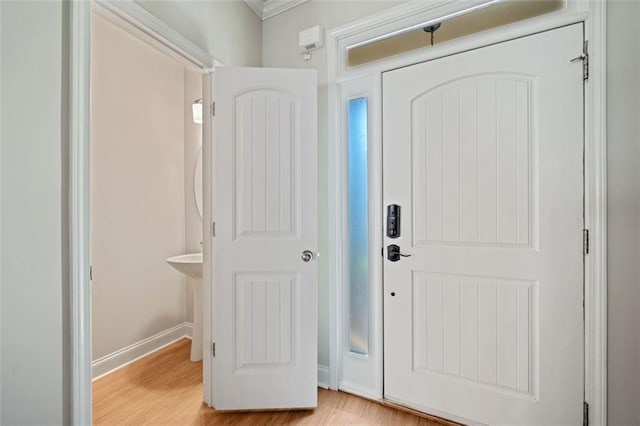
point(393, 253)
point(307, 256)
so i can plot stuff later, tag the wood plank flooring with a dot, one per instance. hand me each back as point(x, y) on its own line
point(165, 388)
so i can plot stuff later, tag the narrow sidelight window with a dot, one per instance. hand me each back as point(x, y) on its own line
point(358, 246)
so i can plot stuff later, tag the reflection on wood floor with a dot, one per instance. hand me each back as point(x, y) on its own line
point(166, 388)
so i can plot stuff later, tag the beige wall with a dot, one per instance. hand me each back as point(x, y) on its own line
point(138, 191)
point(231, 32)
point(228, 29)
point(623, 104)
point(280, 49)
point(34, 295)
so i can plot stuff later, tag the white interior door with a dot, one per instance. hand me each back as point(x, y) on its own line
point(483, 152)
point(265, 213)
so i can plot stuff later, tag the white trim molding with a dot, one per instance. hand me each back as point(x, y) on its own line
point(79, 208)
point(340, 39)
point(358, 389)
point(596, 214)
point(137, 21)
point(593, 14)
point(125, 356)
point(266, 9)
point(323, 376)
point(208, 88)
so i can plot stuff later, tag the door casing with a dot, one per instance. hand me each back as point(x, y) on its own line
point(143, 25)
point(593, 15)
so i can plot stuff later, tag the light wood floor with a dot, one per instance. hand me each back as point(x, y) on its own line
point(166, 388)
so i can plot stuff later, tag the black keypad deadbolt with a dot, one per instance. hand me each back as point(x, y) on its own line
point(393, 221)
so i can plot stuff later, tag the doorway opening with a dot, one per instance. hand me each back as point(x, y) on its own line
point(142, 116)
point(145, 145)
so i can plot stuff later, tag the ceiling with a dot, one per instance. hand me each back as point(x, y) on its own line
point(265, 9)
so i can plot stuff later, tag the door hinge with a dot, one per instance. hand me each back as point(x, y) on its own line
point(585, 241)
point(585, 413)
point(213, 109)
point(213, 229)
point(584, 57)
point(91, 273)
point(213, 349)
point(585, 61)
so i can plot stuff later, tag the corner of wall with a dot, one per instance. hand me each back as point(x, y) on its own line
point(623, 189)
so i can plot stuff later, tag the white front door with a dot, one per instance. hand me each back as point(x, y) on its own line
point(264, 249)
point(483, 153)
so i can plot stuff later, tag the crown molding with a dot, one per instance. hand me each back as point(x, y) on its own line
point(256, 6)
point(266, 9)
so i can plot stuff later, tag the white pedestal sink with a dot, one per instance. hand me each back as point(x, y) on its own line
point(191, 265)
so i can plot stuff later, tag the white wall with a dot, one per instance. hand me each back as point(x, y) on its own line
point(34, 308)
point(226, 28)
point(623, 103)
point(280, 49)
point(138, 192)
point(280, 33)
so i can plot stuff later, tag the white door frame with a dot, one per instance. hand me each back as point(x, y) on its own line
point(137, 21)
point(418, 13)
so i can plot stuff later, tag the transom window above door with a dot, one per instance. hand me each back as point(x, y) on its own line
point(476, 19)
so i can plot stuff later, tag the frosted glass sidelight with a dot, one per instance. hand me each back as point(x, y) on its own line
point(358, 251)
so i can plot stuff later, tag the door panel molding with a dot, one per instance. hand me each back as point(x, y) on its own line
point(463, 305)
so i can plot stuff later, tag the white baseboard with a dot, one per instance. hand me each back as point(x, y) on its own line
point(323, 376)
point(118, 359)
point(374, 394)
